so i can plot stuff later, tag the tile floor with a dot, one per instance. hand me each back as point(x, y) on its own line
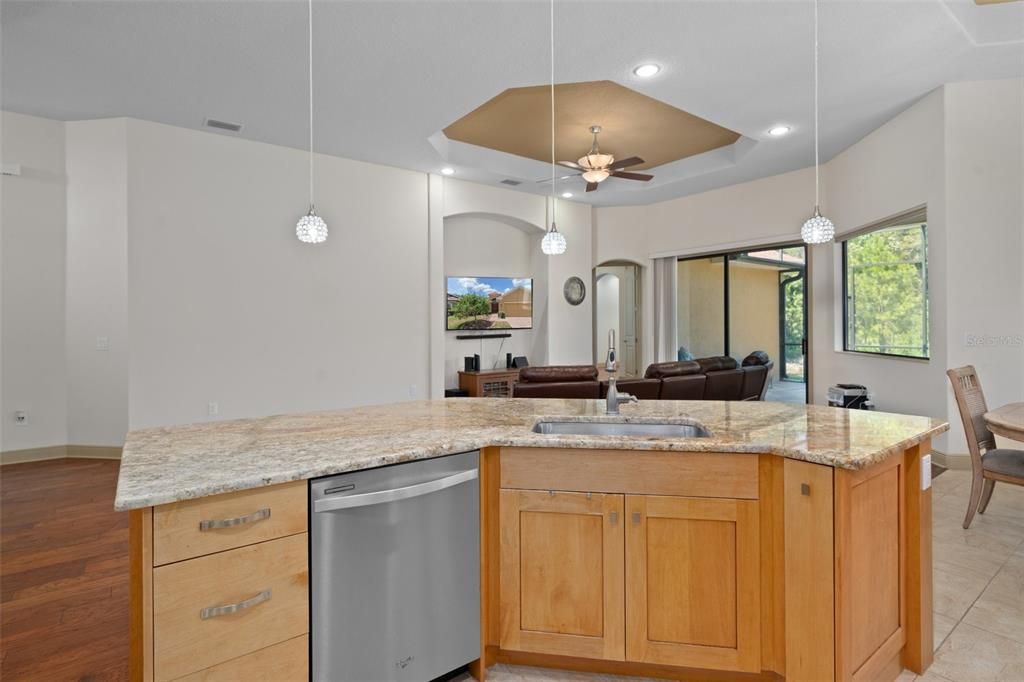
point(978, 588)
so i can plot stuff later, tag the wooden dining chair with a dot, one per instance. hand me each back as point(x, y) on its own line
point(988, 463)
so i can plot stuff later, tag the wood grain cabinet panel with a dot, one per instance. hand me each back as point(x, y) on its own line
point(562, 573)
point(284, 662)
point(193, 528)
point(693, 582)
point(271, 577)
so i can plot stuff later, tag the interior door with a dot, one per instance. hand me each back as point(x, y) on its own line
point(693, 582)
point(562, 583)
point(628, 306)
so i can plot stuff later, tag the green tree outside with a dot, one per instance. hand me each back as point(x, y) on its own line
point(886, 292)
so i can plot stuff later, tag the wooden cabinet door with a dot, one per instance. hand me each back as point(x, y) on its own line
point(562, 584)
point(693, 582)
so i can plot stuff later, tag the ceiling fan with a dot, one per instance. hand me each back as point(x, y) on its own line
point(596, 167)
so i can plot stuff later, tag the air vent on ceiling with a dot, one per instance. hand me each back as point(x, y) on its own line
point(223, 125)
point(513, 183)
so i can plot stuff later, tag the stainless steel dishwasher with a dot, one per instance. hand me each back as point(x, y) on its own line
point(395, 563)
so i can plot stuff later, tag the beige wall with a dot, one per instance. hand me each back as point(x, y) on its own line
point(753, 308)
point(754, 311)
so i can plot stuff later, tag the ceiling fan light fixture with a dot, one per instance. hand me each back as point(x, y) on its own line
point(596, 161)
point(598, 175)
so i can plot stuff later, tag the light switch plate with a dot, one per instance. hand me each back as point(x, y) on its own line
point(926, 472)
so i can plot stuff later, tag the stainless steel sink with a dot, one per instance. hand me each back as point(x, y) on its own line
point(621, 429)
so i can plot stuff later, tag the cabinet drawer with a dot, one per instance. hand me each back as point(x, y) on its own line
point(215, 608)
point(192, 528)
point(284, 662)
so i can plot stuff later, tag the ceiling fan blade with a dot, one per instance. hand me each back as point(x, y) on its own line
point(631, 176)
point(591, 186)
point(625, 163)
point(570, 164)
point(558, 178)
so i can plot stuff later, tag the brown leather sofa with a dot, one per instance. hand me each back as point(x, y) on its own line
point(558, 381)
point(715, 378)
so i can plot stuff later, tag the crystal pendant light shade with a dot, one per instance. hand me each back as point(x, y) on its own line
point(553, 243)
point(595, 175)
point(818, 229)
point(311, 228)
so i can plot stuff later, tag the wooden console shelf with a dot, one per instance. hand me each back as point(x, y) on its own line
point(489, 383)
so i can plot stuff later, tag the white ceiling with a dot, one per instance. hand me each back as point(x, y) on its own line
point(391, 74)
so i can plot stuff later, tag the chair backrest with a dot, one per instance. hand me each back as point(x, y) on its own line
point(971, 401)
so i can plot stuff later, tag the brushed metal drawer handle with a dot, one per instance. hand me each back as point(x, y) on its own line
point(226, 609)
point(213, 524)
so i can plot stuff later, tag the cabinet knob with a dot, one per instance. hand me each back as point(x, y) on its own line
point(636, 517)
point(613, 517)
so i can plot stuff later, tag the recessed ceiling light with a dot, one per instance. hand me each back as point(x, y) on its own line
point(566, 195)
point(779, 131)
point(447, 171)
point(646, 70)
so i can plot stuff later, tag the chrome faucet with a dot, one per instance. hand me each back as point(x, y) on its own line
point(615, 398)
point(610, 363)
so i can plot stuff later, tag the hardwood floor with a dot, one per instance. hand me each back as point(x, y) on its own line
point(63, 572)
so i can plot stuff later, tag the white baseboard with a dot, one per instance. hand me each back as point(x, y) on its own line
point(60, 452)
point(951, 461)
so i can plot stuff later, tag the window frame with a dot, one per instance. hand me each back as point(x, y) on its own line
point(923, 224)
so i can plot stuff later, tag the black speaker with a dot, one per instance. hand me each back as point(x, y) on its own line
point(520, 361)
point(468, 360)
point(476, 362)
point(508, 360)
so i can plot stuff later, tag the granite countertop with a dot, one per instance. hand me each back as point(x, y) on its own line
point(161, 465)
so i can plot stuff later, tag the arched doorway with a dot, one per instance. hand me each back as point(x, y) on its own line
point(617, 308)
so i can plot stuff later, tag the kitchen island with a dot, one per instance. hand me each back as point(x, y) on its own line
point(792, 542)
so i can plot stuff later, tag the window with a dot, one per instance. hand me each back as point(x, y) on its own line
point(885, 287)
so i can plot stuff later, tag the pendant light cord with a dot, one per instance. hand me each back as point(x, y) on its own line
point(310, 5)
point(552, 113)
point(816, 180)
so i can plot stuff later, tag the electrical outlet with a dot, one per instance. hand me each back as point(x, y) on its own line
point(926, 472)
point(102, 343)
point(212, 409)
point(412, 391)
point(21, 417)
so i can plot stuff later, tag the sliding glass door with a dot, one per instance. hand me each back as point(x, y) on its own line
point(745, 301)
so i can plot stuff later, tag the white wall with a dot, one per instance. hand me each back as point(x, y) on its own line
point(564, 330)
point(32, 250)
point(97, 281)
point(485, 246)
point(226, 306)
point(895, 168)
point(985, 217)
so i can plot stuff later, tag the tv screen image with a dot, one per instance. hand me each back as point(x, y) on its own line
point(489, 303)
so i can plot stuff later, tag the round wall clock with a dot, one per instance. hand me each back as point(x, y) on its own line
point(574, 290)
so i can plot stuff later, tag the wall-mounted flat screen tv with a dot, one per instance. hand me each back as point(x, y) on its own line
point(485, 303)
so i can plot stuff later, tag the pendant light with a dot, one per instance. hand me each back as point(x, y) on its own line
point(818, 229)
point(553, 243)
point(311, 228)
